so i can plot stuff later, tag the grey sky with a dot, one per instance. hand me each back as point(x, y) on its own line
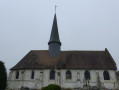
point(83, 25)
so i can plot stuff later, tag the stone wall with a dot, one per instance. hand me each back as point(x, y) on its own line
point(41, 79)
point(117, 76)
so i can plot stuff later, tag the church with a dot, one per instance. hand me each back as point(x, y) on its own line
point(72, 70)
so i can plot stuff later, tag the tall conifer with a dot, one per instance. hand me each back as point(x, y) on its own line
point(3, 76)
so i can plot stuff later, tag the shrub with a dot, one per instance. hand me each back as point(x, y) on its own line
point(52, 87)
point(3, 76)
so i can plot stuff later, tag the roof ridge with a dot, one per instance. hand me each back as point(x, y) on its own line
point(84, 51)
point(38, 50)
point(72, 50)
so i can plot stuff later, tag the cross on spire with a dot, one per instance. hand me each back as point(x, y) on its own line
point(55, 9)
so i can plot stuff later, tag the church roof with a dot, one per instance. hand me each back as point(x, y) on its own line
point(88, 60)
point(54, 38)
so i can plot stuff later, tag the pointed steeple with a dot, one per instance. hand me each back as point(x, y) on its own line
point(54, 42)
point(54, 37)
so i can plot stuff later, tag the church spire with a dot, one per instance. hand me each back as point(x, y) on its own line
point(54, 42)
point(54, 38)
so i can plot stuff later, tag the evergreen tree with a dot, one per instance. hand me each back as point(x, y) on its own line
point(3, 76)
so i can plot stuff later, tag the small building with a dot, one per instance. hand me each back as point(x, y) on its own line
point(72, 70)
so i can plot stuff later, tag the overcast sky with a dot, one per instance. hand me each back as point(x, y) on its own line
point(83, 25)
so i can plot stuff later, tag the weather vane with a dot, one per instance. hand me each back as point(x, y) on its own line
point(55, 9)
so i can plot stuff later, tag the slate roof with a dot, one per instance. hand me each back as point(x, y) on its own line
point(88, 60)
point(54, 37)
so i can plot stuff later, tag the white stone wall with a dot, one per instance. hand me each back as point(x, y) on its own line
point(41, 79)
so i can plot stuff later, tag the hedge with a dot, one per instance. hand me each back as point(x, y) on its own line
point(51, 87)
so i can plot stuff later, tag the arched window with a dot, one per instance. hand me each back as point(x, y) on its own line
point(87, 75)
point(32, 75)
point(106, 75)
point(17, 75)
point(52, 74)
point(68, 75)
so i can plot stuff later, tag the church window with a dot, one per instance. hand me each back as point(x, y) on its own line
point(87, 75)
point(52, 74)
point(17, 75)
point(106, 75)
point(32, 75)
point(68, 75)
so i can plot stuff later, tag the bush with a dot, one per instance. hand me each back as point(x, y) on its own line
point(3, 76)
point(52, 87)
